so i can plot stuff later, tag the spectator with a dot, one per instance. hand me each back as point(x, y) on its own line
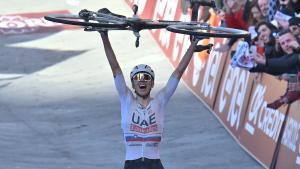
point(294, 26)
point(289, 63)
point(289, 45)
point(233, 18)
point(264, 8)
point(296, 5)
point(234, 13)
point(286, 4)
point(255, 14)
point(266, 40)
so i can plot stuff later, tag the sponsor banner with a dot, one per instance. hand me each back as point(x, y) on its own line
point(15, 24)
point(233, 95)
point(262, 125)
point(204, 73)
point(289, 153)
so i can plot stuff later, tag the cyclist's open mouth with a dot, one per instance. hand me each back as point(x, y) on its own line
point(142, 86)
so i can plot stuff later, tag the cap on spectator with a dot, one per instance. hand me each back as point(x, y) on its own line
point(294, 21)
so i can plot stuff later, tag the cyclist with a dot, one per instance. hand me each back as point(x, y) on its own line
point(142, 116)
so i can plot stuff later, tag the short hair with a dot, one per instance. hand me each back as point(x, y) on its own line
point(283, 32)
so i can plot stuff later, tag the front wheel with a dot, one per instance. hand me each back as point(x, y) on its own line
point(208, 31)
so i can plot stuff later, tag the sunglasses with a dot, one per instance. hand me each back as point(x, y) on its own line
point(142, 76)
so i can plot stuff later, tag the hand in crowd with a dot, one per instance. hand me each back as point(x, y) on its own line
point(294, 86)
point(294, 44)
point(258, 58)
point(221, 13)
point(284, 76)
point(259, 42)
point(232, 6)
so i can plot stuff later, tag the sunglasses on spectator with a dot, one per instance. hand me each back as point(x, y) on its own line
point(142, 76)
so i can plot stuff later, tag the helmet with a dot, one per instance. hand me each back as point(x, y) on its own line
point(142, 68)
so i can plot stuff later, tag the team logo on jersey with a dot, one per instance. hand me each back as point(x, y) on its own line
point(146, 125)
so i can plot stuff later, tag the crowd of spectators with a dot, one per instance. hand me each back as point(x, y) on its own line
point(275, 35)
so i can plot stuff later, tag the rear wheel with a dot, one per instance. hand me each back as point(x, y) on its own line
point(72, 19)
point(209, 31)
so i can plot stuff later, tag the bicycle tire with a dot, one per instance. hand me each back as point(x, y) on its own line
point(72, 19)
point(199, 30)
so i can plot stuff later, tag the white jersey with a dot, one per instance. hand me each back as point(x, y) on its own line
point(143, 126)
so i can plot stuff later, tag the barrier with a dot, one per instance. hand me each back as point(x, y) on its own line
point(262, 125)
point(233, 95)
point(289, 152)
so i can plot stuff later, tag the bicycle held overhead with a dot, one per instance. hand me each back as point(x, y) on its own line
point(103, 19)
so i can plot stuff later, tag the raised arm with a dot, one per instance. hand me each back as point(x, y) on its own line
point(165, 93)
point(111, 57)
point(115, 67)
point(184, 62)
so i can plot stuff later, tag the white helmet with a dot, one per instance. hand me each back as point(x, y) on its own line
point(142, 68)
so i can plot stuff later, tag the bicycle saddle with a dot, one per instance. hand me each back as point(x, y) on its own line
point(106, 11)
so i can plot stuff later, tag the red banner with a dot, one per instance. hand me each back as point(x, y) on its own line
point(30, 23)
